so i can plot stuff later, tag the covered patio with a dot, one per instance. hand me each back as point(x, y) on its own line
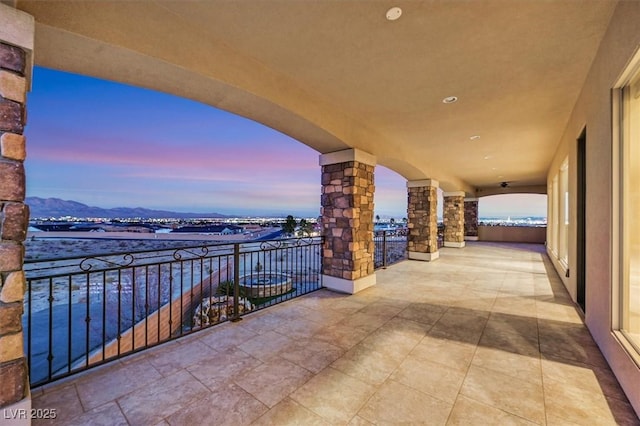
point(485, 335)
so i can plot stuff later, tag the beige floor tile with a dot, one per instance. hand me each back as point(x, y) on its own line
point(467, 412)
point(477, 299)
point(523, 367)
point(513, 323)
point(64, 399)
point(623, 412)
point(333, 395)
point(161, 398)
point(109, 384)
point(461, 325)
point(404, 329)
point(273, 381)
point(323, 317)
point(395, 403)
point(312, 354)
point(568, 401)
point(177, 357)
point(425, 313)
point(369, 365)
point(359, 421)
point(429, 377)
point(396, 338)
point(299, 329)
point(289, 412)
point(451, 353)
point(265, 346)
point(551, 310)
point(106, 415)
point(341, 335)
point(588, 377)
point(227, 335)
point(228, 404)
point(569, 348)
point(346, 305)
point(557, 421)
point(564, 332)
point(384, 309)
point(364, 321)
point(505, 340)
point(263, 321)
point(322, 299)
point(518, 397)
point(514, 305)
point(222, 367)
point(487, 281)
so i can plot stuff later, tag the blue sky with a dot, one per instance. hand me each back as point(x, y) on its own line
point(111, 145)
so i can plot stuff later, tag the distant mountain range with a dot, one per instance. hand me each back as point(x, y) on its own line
point(55, 207)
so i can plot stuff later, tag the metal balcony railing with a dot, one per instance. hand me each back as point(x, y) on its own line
point(83, 312)
point(390, 247)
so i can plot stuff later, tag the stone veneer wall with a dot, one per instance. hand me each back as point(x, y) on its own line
point(14, 218)
point(422, 219)
point(453, 216)
point(471, 218)
point(347, 220)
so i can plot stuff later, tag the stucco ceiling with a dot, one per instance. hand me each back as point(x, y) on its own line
point(337, 74)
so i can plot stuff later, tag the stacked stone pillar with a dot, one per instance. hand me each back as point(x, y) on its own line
point(16, 45)
point(347, 220)
point(422, 215)
point(471, 219)
point(453, 218)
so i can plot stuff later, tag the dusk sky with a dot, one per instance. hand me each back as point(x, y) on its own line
point(111, 145)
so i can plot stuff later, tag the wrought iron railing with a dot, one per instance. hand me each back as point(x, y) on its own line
point(390, 247)
point(83, 312)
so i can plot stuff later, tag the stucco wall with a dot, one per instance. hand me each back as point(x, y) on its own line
point(593, 110)
point(513, 234)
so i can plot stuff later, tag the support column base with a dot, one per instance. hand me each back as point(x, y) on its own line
point(425, 257)
point(18, 413)
point(454, 244)
point(471, 238)
point(348, 286)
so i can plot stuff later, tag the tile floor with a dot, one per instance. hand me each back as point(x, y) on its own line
point(484, 335)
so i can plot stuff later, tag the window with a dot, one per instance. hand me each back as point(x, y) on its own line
point(563, 222)
point(558, 220)
point(554, 218)
point(550, 216)
point(627, 140)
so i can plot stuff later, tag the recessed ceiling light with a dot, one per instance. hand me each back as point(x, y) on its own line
point(474, 137)
point(394, 13)
point(486, 157)
point(493, 168)
point(449, 99)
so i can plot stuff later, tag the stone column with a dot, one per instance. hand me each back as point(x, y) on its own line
point(471, 219)
point(422, 215)
point(453, 216)
point(16, 45)
point(347, 220)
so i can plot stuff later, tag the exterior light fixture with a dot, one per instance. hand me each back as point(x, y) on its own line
point(449, 99)
point(394, 13)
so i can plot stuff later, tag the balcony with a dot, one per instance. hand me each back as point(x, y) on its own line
point(484, 335)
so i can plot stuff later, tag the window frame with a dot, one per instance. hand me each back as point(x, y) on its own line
point(618, 243)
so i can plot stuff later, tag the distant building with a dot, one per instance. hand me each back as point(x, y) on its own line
point(210, 229)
